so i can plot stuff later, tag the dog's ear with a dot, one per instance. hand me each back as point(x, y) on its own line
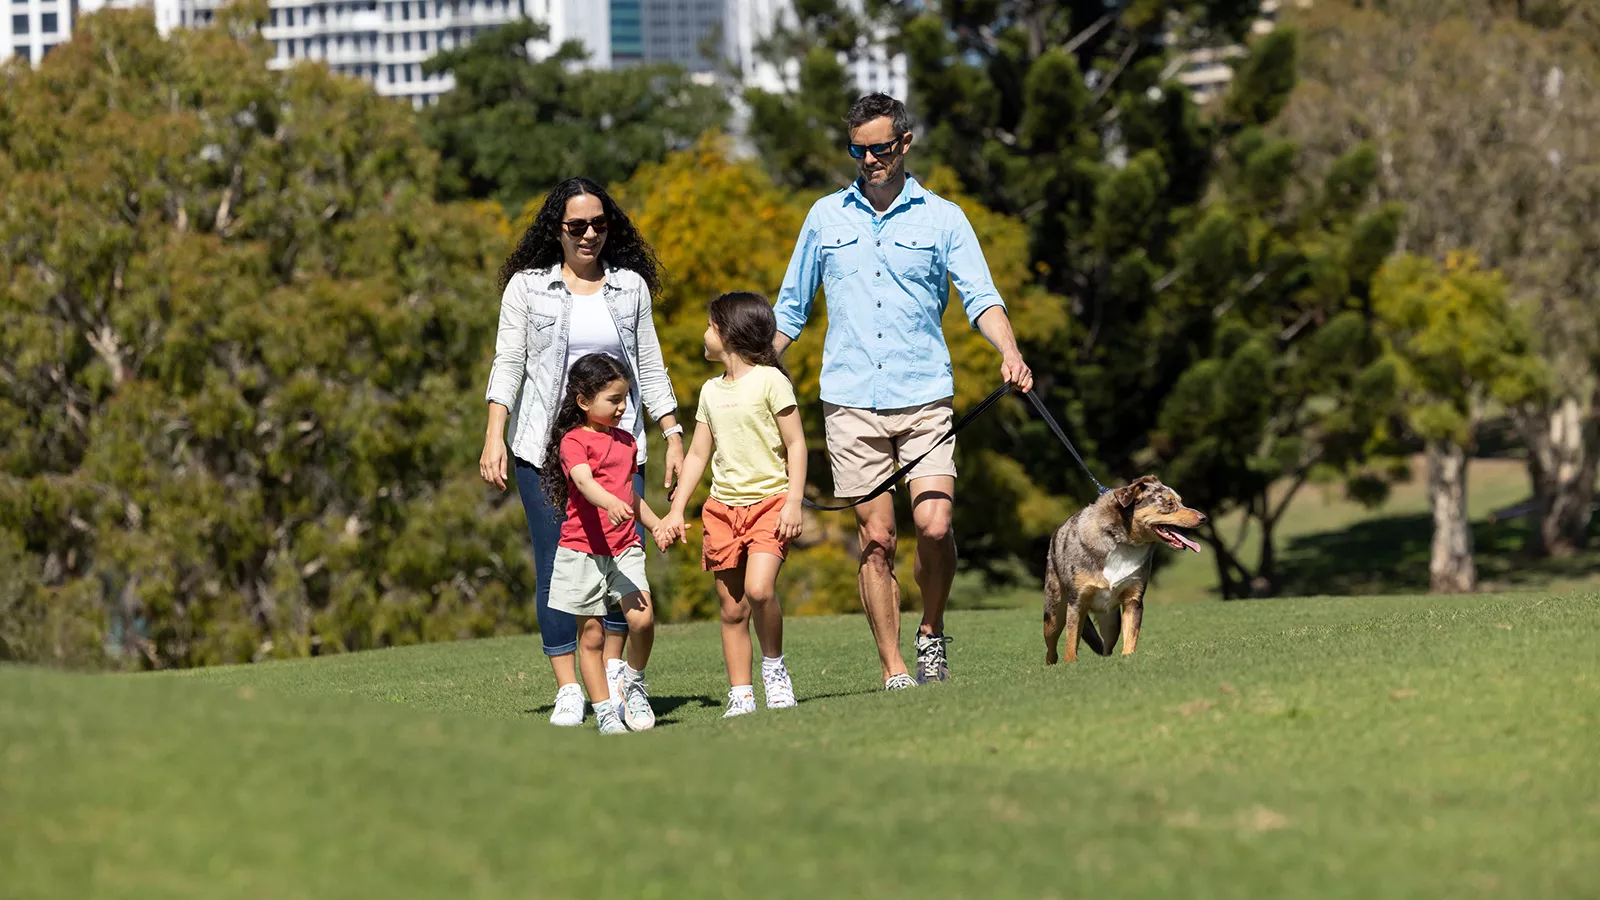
point(1129, 495)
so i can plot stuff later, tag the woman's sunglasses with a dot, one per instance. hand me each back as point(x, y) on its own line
point(580, 227)
point(887, 148)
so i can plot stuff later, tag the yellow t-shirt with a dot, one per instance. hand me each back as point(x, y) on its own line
point(749, 463)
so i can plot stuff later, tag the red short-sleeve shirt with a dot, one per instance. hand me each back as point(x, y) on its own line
point(610, 457)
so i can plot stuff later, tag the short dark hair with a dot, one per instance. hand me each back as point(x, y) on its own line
point(876, 106)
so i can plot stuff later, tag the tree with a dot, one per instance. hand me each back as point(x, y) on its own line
point(800, 133)
point(1458, 346)
point(1290, 388)
point(514, 126)
point(1065, 115)
point(1218, 300)
point(242, 352)
point(1505, 169)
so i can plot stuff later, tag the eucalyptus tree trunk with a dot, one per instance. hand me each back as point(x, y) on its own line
point(1450, 568)
point(1563, 444)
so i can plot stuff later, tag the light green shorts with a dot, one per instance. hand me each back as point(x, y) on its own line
point(585, 584)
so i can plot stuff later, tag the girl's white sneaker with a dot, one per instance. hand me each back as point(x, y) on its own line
point(569, 706)
point(779, 689)
point(739, 705)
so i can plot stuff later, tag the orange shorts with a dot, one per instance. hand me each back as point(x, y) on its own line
point(733, 531)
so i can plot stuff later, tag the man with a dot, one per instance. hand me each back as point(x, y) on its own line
point(885, 250)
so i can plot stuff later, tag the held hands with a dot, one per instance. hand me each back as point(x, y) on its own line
point(671, 530)
point(790, 522)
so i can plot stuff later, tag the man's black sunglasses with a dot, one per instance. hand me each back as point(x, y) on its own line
point(887, 148)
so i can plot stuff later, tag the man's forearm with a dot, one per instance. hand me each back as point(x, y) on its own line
point(780, 342)
point(996, 327)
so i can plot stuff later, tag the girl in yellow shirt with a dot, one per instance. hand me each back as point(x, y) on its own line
point(748, 427)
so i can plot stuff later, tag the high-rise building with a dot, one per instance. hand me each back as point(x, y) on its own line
point(677, 30)
point(627, 31)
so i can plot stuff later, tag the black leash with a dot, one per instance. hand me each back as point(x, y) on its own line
point(966, 420)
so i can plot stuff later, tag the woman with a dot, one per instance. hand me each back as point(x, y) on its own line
point(579, 282)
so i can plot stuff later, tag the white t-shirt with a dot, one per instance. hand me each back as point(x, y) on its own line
point(592, 330)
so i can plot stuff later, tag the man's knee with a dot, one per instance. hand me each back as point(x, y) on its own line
point(878, 544)
point(933, 522)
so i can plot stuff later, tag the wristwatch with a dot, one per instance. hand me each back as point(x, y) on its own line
point(669, 432)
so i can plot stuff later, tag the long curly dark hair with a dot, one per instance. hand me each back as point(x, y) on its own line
point(588, 376)
point(540, 246)
point(745, 322)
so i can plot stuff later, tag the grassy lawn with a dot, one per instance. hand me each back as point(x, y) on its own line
point(1358, 747)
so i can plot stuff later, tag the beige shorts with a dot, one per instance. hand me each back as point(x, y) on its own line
point(587, 585)
point(866, 445)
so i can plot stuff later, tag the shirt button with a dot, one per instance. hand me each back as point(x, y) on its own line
point(878, 244)
point(880, 365)
point(880, 335)
point(877, 274)
point(880, 304)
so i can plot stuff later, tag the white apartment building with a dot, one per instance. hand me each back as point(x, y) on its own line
point(385, 42)
point(380, 41)
point(32, 28)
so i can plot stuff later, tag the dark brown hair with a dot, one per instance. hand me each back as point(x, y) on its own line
point(876, 106)
point(746, 325)
point(540, 246)
point(587, 377)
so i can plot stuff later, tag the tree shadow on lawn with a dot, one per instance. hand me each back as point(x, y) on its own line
point(1390, 556)
point(664, 707)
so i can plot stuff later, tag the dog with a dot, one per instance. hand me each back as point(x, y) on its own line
point(1099, 566)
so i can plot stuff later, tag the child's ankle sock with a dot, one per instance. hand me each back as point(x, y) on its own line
point(770, 664)
point(631, 675)
point(744, 692)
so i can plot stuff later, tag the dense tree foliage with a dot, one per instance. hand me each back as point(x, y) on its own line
point(514, 125)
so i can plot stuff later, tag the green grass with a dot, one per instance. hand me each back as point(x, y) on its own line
point(1365, 748)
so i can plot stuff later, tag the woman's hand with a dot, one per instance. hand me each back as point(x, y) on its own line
point(492, 464)
point(790, 522)
point(674, 463)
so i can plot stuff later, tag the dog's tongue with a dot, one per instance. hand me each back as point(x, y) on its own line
point(1173, 534)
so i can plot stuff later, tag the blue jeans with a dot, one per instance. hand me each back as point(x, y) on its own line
point(558, 630)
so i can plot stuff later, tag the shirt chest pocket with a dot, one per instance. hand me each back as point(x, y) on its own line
point(541, 332)
point(914, 257)
point(840, 257)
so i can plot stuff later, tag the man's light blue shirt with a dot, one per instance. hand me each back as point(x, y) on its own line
point(887, 280)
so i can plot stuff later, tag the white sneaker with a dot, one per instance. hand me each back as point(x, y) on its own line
point(606, 717)
point(778, 688)
point(636, 706)
point(569, 706)
point(899, 682)
point(740, 705)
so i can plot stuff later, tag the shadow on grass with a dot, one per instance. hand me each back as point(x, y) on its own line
point(664, 707)
point(1390, 556)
